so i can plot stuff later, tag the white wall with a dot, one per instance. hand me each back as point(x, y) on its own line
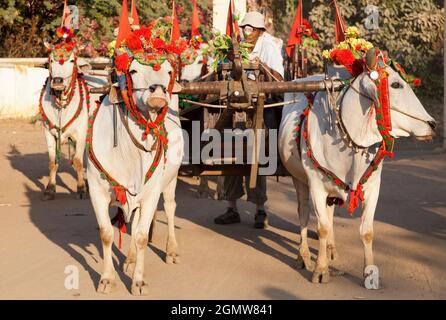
point(20, 91)
point(220, 12)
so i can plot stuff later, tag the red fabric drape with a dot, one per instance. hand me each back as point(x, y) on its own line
point(195, 20)
point(296, 30)
point(339, 24)
point(135, 14)
point(176, 26)
point(124, 25)
point(231, 24)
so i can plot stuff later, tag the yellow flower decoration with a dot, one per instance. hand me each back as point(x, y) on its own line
point(352, 32)
point(326, 54)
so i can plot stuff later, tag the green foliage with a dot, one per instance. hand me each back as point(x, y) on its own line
point(220, 46)
point(25, 24)
point(411, 31)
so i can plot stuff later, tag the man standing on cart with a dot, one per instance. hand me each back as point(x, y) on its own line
point(267, 51)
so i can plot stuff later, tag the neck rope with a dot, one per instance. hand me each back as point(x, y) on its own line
point(382, 112)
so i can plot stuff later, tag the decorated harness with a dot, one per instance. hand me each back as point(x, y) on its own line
point(145, 46)
point(382, 109)
point(61, 54)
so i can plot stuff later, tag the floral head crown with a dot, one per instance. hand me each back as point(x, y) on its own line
point(349, 53)
point(151, 45)
point(65, 46)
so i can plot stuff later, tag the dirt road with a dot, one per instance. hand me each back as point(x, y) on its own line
point(38, 240)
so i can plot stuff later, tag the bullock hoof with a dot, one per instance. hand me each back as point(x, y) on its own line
point(105, 286)
point(332, 253)
point(82, 193)
point(337, 273)
point(304, 262)
point(49, 193)
point(321, 276)
point(140, 288)
point(172, 258)
point(128, 266)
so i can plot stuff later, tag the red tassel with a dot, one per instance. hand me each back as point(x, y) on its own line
point(355, 196)
point(121, 194)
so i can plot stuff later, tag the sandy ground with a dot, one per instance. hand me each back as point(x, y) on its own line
point(38, 240)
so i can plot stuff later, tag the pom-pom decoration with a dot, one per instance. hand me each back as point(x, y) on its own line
point(349, 53)
point(151, 45)
point(66, 45)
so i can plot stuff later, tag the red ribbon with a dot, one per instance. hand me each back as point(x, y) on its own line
point(355, 196)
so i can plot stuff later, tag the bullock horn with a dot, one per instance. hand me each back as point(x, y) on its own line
point(371, 58)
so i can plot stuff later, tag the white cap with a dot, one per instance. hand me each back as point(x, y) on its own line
point(254, 19)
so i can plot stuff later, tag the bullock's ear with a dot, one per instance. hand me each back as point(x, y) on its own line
point(83, 66)
point(176, 88)
point(48, 46)
point(368, 87)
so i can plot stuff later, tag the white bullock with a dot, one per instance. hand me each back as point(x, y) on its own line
point(342, 137)
point(64, 106)
point(133, 174)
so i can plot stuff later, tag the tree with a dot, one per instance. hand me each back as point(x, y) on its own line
point(25, 24)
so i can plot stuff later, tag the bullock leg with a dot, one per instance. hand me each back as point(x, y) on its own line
point(148, 207)
point(129, 263)
point(331, 247)
point(203, 188)
point(366, 230)
point(100, 205)
point(319, 202)
point(78, 165)
point(50, 190)
point(304, 255)
point(170, 206)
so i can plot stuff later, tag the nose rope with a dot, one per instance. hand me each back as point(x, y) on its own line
point(408, 115)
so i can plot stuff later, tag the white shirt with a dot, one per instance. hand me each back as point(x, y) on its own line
point(269, 50)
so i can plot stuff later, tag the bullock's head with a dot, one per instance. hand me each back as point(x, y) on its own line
point(407, 115)
point(152, 85)
point(195, 64)
point(64, 65)
point(148, 61)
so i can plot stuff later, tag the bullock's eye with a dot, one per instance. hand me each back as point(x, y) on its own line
point(133, 72)
point(72, 60)
point(152, 89)
point(397, 85)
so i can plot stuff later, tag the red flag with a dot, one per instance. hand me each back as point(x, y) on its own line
point(195, 21)
point(176, 34)
point(124, 25)
point(339, 24)
point(135, 14)
point(296, 31)
point(65, 14)
point(231, 24)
